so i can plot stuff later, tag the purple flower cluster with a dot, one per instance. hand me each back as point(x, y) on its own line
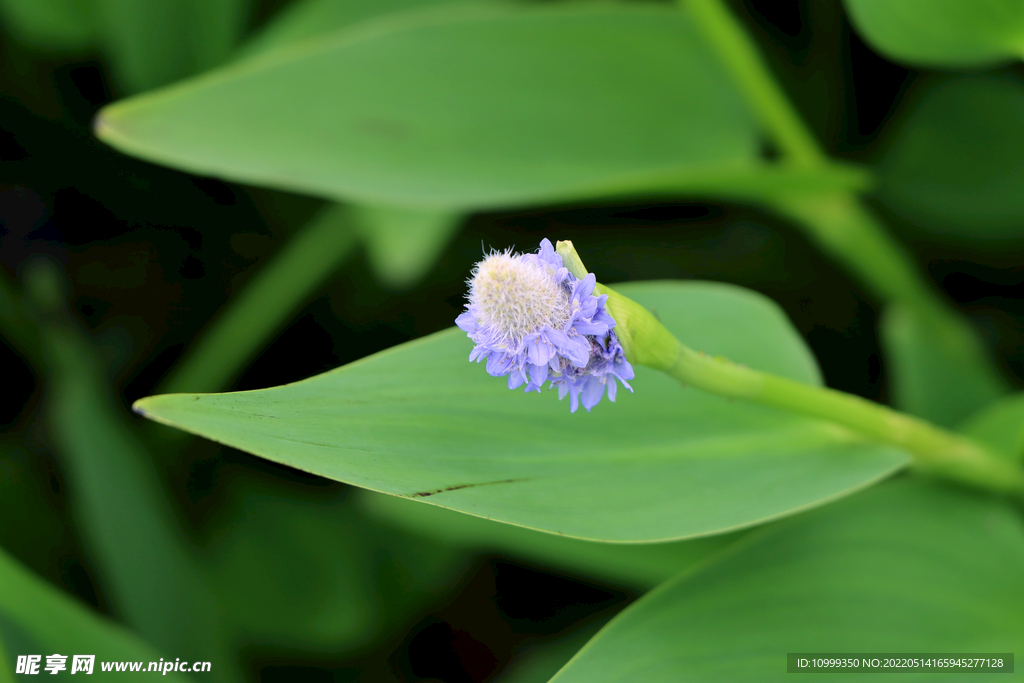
point(533, 320)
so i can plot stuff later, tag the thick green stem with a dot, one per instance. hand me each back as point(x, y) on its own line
point(837, 221)
point(935, 450)
point(647, 342)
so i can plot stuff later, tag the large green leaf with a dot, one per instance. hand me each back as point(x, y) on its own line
point(310, 18)
point(906, 567)
point(36, 618)
point(942, 33)
point(461, 107)
point(952, 163)
point(666, 463)
point(636, 566)
point(938, 370)
point(401, 243)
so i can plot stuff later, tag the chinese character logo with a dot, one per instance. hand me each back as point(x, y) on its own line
point(55, 663)
point(28, 664)
point(82, 663)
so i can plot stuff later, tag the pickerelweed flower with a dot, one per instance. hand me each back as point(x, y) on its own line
point(533, 320)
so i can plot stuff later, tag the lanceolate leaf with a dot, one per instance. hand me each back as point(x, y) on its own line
point(906, 567)
point(666, 463)
point(310, 18)
point(457, 107)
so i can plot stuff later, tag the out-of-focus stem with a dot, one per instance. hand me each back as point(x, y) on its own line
point(838, 221)
point(743, 59)
point(265, 304)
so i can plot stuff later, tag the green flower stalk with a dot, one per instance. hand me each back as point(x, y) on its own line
point(647, 342)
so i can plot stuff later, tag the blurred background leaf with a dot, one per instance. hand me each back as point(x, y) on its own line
point(300, 572)
point(402, 244)
point(56, 24)
point(937, 372)
point(908, 564)
point(636, 566)
point(942, 33)
point(119, 505)
point(457, 108)
point(152, 43)
point(1000, 425)
point(311, 18)
point(951, 165)
point(37, 619)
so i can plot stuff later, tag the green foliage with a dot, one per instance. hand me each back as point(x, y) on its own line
point(311, 18)
point(59, 24)
point(942, 33)
point(36, 618)
point(907, 566)
point(160, 41)
point(1000, 425)
point(938, 372)
point(148, 43)
point(952, 165)
point(637, 566)
point(316, 574)
point(419, 421)
point(401, 242)
point(464, 107)
point(116, 498)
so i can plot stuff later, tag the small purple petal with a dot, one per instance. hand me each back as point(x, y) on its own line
point(593, 392)
point(538, 375)
point(467, 322)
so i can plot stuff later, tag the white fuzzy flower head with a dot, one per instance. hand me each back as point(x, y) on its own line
point(533, 321)
point(516, 296)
